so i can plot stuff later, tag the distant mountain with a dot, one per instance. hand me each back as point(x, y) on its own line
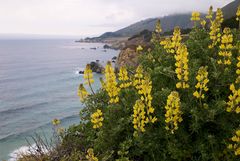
point(230, 9)
point(167, 22)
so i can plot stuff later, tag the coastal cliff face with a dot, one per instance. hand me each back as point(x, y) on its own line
point(127, 58)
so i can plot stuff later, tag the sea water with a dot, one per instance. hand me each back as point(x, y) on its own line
point(38, 82)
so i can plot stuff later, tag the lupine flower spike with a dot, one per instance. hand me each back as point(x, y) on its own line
point(97, 119)
point(235, 146)
point(182, 67)
point(90, 155)
point(233, 105)
point(82, 93)
point(201, 86)
point(226, 46)
point(111, 84)
point(173, 112)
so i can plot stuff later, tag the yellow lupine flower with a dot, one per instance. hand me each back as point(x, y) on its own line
point(173, 112)
point(82, 92)
point(138, 77)
point(238, 70)
point(145, 92)
point(235, 146)
point(158, 28)
point(181, 64)
point(56, 122)
point(88, 75)
point(219, 15)
point(201, 86)
point(167, 45)
point(195, 16)
point(210, 13)
point(215, 28)
point(123, 77)
point(97, 119)
point(139, 117)
point(226, 46)
point(139, 48)
point(203, 23)
point(90, 155)
point(111, 84)
point(233, 105)
point(171, 44)
point(238, 13)
point(177, 38)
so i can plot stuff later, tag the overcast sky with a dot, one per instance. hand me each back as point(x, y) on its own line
point(88, 17)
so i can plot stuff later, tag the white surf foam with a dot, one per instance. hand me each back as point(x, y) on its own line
point(23, 150)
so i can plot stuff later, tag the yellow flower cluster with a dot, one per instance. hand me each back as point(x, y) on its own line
point(233, 105)
point(111, 84)
point(82, 92)
point(56, 122)
point(88, 75)
point(238, 14)
point(182, 67)
point(138, 77)
point(176, 39)
point(195, 16)
point(139, 117)
point(158, 28)
point(173, 112)
point(97, 119)
point(145, 92)
point(210, 13)
point(172, 44)
point(201, 86)
point(139, 48)
point(167, 45)
point(238, 70)
point(236, 145)
point(215, 28)
point(219, 15)
point(143, 109)
point(203, 23)
point(90, 155)
point(123, 77)
point(225, 48)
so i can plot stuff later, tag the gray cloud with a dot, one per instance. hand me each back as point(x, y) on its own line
point(92, 17)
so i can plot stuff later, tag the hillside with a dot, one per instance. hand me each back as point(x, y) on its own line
point(230, 9)
point(168, 22)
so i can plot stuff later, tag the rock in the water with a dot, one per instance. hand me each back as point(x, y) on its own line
point(106, 46)
point(114, 58)
point(96, 67)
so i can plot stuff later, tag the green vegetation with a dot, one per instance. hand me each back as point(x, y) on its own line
point(181, 103)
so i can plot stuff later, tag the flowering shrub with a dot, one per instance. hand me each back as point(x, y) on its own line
point(181, 103)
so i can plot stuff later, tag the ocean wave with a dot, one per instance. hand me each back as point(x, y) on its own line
point(23, 150)
point(15, 110)
point(17, 135)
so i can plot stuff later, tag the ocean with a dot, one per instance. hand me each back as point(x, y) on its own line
point(38, 82)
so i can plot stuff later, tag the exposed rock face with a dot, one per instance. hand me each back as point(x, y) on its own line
point(127, 58)
point(96, 67)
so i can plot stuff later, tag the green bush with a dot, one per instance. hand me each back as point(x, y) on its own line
point(204, 126)
point(155, 113)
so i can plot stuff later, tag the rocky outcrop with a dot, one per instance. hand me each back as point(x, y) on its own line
point(127, 58)
point(96, 67)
